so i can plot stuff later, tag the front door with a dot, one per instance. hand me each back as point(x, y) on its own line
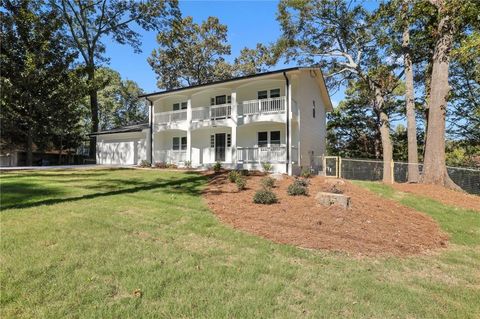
point(220, 147)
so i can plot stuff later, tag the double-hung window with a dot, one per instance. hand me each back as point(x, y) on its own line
point(275, 138)
point(262, 139)
point(179, 143)
point(179, 106)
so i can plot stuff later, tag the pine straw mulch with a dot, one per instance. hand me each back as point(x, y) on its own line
point(372, 226)
point(442, 194)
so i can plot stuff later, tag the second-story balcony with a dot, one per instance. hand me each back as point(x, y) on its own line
point(263, 106)
point(214, 112)
point(171, 117)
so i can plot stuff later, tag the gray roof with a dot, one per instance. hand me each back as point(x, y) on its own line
point(124, 129)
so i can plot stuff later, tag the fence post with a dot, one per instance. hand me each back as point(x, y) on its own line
point(336, 166)
point(392, 175)
point(339, 167)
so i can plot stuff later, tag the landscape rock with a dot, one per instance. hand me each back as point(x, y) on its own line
point(329, 199)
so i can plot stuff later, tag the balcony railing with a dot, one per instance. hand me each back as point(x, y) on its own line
point(263, 106)
point(171, 117)
point(215, 112)
point(272, 154)
point(171, 156)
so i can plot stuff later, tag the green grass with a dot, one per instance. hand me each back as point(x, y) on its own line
point(79, 243)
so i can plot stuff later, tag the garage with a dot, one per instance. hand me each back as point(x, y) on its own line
point(122, 146)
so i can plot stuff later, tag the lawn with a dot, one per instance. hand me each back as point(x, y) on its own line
point(141, 243)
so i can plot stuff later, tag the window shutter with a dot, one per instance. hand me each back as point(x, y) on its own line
point(212, 141)
point(229, 140)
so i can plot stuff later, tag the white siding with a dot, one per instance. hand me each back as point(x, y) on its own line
point(312, 130)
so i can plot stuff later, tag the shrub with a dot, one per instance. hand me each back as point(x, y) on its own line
point(144, 163)
point(305, 173)
point(267, 167)
point(298, 187)
point(217, 167)
point(188, 164)
point(268, 182)
point(264, 196)
point(302, 182)
point(232, 176)
point(171, 165)
point(241, 182)
point(160, 165)
point(245, 172)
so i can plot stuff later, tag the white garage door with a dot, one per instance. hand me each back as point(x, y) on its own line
point(121, 149)
point(116, 152)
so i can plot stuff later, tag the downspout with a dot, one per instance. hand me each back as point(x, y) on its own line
point(151, 130)
point(287, 94)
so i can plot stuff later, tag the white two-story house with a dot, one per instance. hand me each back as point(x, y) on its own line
point(277, 117)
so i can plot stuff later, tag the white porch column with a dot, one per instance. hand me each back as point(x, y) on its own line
point(289, 102)
point(189, 129)
point(234, 127)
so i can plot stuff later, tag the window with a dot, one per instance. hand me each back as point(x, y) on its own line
point(212, 101)
point(179, 143)
point(229, 99)
point(229, 140)
point(180, 106)
point(212, 141)
point(275, 93)
point(262, 95)
point(184, 143)
point(176, 144)
point(275, 137)
point(313, 110)
point(262, 139)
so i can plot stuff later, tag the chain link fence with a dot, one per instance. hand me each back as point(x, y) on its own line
point(372, 170)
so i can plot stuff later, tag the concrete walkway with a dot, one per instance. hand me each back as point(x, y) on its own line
point(89, 166)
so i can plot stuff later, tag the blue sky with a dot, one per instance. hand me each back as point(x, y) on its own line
point(249, 22)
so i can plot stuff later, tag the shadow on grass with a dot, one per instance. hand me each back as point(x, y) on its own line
point(189, 185)
point(14, 192)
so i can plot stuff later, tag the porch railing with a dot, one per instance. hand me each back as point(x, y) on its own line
point(214, 112)
point(171, 156)
point(172, 116)
point(263, 106)
point(272, 154)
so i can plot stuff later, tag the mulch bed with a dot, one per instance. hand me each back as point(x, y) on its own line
point(442, 194)
point(371, 226)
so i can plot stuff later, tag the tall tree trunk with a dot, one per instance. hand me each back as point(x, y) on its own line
point(29, 147)
point(387, 147)
point(435, 171)
point(413, 175)
point(93, 109)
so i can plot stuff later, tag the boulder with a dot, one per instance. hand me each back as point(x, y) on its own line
point(329, 199)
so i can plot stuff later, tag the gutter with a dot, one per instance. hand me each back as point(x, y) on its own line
point(151, 130)
point(288, 121)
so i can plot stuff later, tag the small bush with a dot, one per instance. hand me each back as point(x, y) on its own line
point(217, 167)
point(245, 172)
point(267, 167)
point(172, 166)
point(303, 182)
point(268, 182)
point(241, 182)
point(264, 196)
point(306, 173)
point(144, 163)
point(188, 164)
point(297, 188)
point(160, 165)
point(232, 176)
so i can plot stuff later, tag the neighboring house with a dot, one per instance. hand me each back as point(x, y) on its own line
point(277, 117)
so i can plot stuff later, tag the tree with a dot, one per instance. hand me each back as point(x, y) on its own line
point(252, 61)
point(118, 100)
point(90, 21)
point(348, 42)
point(39, 88)
point(454, 17)
point(191, 53)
